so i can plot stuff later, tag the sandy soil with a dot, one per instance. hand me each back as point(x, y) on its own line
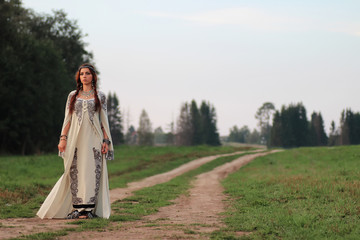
point(191, 217)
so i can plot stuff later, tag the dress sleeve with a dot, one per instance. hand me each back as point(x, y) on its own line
point(105, 123)
point(67, 118)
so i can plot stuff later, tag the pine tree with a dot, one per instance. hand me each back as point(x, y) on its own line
point(145, 134)
point(317, 131)
point(210, 136)
point(276, 131)
point(290, 127)
point(195, 124)
point(115, 119)
point(350, 127)
point(184, 131)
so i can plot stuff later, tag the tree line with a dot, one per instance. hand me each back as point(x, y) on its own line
point(290, 127)
point(195, 126)
point(39, 55)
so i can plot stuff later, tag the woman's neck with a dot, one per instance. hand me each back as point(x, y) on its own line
point(86, 88)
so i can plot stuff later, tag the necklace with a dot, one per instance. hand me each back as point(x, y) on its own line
point(87, 94)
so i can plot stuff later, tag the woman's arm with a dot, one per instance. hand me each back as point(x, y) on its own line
point(63, 138)
point(105, 145)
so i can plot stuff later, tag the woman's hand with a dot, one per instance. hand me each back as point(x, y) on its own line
point(104, 148)
point(62, 145)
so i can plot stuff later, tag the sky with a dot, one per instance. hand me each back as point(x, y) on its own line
point(236, 54)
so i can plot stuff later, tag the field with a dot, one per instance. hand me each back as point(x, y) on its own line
point(303, 193)
point(25, 181)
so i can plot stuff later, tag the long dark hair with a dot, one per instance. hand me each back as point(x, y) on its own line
point(79, 86)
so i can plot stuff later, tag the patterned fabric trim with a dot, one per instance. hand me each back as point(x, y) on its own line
point(78, 109)
point(109, 155)
point(74, 180)
point(97, 158)
point(91, 110)
point(69, 98)
point(103, 102)
point(84, 205)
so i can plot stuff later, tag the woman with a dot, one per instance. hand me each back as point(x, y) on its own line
point(85, 145)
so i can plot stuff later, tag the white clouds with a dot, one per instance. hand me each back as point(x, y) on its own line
point(259, 19)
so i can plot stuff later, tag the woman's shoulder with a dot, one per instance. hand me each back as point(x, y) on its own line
point(102, 96)
point(71, 94)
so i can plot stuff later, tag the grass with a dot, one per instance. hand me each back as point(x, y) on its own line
point(304, 193)
point(25, 181)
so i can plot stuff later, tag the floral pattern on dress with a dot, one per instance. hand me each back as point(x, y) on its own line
point(91, 110)
point(74, 180)
point(103, 101)
point(78, 109)
point(109, 155)
point(97, 158)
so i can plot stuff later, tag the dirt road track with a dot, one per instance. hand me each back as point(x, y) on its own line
point(190, 217)
point(207, 192)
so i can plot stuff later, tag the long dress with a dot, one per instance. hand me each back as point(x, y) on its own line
point(84, 184)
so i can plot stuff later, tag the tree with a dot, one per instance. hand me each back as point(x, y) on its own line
point(334, 136)
point(184, 127)
point(195, 119)
point(145, 135)
point(254, 137)
point(35, 54)
point(115, 119)
point(197, 126)
point(263, 115)
point(239, 135)
point(131, 136)
point(170, 136)
point(159, 136)
point(276, 131)
point(317, 131)
point(210, 136)
point(290, 127)
point(350, 127)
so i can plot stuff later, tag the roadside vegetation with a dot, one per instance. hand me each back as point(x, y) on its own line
point(302, 193)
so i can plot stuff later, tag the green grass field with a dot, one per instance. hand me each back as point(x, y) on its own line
point(303, 193)
point(25, 181)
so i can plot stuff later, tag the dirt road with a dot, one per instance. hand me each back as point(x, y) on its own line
point(192, 216)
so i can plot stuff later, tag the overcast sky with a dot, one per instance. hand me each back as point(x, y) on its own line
point(158, 54)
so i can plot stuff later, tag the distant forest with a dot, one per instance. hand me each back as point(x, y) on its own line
point(290, 127)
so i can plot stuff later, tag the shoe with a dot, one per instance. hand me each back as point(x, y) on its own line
point(74, 215)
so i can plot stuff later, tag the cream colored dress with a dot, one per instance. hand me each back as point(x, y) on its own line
point(84, 184)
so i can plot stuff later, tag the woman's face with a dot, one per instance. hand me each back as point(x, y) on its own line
point(85, 76)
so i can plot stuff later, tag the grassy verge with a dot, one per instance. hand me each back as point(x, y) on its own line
point(25, 181)
point(305, 193)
